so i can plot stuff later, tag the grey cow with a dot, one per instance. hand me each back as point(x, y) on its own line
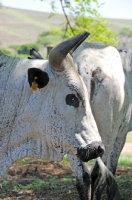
point(107, 74)
point(51, 122)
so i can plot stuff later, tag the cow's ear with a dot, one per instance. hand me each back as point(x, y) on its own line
point(34, 54)
point(37, 78)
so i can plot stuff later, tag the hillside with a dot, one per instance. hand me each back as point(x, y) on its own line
point(23, 26)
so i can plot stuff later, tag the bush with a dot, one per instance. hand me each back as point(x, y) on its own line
point(126, 32)
point(25, 48)
point(7, 52)
point(51, 37)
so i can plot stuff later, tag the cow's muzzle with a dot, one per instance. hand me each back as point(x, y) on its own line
point(91, 151)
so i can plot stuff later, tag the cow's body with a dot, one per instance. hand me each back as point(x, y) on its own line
point(107, 74)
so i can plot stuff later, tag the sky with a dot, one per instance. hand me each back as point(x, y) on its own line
point(120, 9)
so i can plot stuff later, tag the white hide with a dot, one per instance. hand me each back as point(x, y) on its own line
point(40, 124)
point(111, 96)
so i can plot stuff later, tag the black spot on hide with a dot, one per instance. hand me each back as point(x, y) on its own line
point(1, 64)
point(123, 50)
point(42, 77)
point(96, 80)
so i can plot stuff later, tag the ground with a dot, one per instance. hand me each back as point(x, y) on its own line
point(32, 179)
point(42, 180)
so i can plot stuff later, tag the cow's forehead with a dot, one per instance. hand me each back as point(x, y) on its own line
point(71, 79)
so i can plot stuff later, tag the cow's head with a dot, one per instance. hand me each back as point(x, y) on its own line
point(66, 121)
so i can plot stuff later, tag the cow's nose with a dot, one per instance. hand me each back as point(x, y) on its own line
point(91, 151)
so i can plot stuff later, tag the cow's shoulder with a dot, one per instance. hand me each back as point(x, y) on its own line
point(101, 68)
point(96, 58)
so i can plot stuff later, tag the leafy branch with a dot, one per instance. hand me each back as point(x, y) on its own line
point(67, 20)
point(83, 15)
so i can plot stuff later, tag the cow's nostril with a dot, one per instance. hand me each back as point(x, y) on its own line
point(101, 150)
point(91, 151)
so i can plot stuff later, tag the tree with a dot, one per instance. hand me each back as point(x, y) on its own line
point(82, 15)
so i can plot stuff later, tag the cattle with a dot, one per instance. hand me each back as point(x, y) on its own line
point(45, 112)
point(107, 74)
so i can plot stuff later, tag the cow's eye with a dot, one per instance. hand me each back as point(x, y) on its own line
point(72, 100)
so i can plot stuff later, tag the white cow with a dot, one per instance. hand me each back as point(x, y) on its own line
point(55, 119)
point(107, 74)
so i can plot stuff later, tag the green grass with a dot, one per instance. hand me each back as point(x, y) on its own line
point(66, 162)
point(129, 137)
point(39, 184)
point(125, 160)
point(124, 181)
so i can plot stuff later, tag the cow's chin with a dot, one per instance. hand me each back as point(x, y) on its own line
point(91, 151)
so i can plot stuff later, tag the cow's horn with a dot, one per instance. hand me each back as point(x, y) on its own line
point(58, 53)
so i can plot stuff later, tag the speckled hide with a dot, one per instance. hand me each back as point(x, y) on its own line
point(40, 124)
point(107, 74)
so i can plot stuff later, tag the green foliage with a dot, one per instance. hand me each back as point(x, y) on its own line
point(50, 37)
point(24, 49)
point(83, 16)
point(65, 160)
point(126, 32)
point(97, 29)
point(5, 183)
point(7, 52)
point(35, 184)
